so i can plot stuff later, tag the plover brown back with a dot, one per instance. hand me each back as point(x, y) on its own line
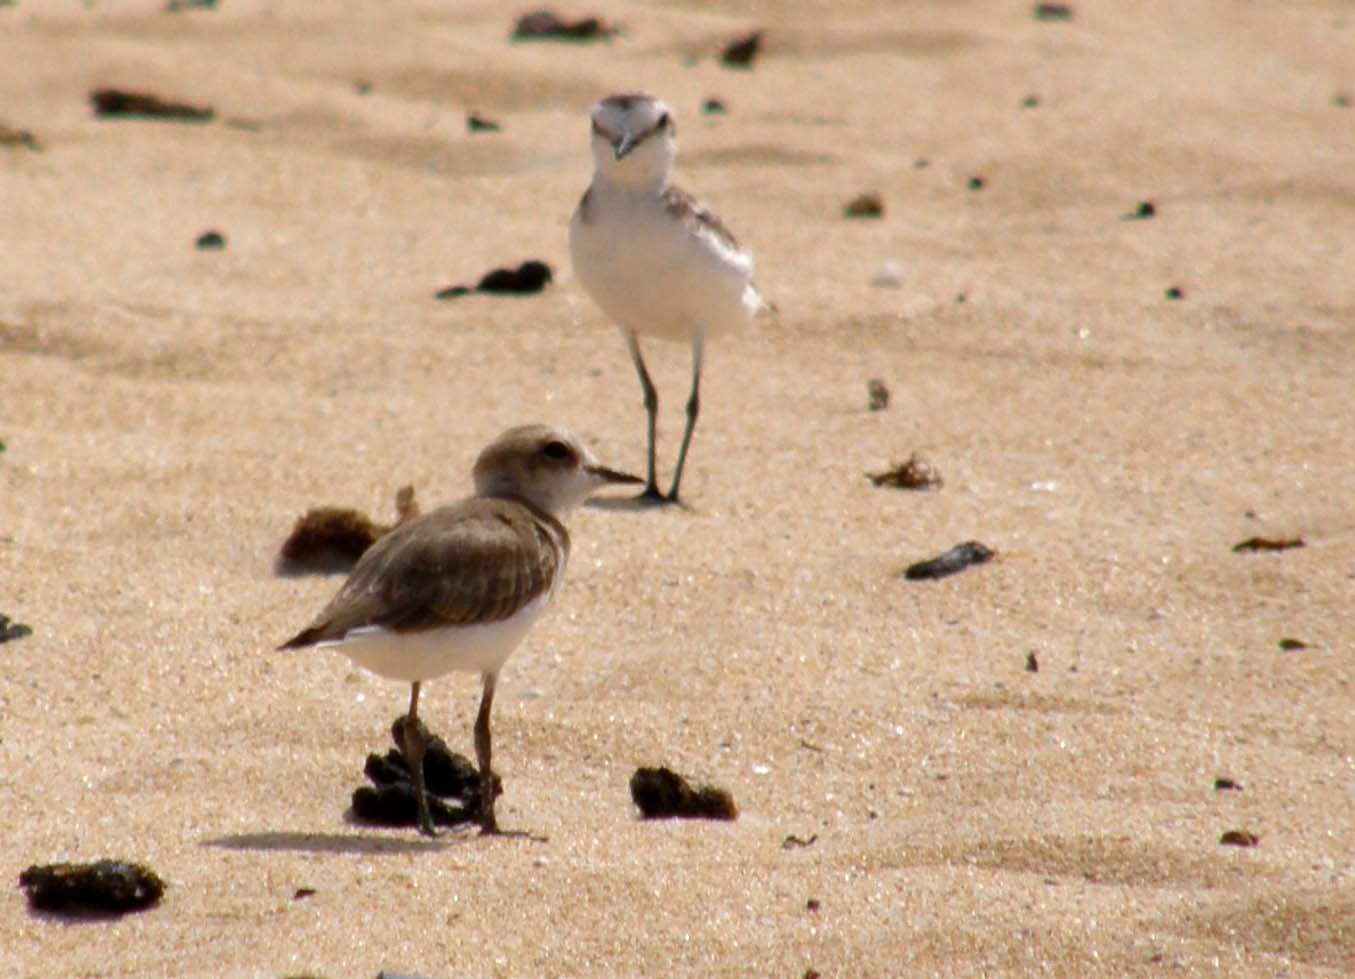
point(657, 261)
point(459, 588)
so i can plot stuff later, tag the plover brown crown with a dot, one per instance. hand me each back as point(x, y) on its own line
point(657, 261)
point(459, 587)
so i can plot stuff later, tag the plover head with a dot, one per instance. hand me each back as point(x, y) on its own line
point(634, 138)
point(544, 466)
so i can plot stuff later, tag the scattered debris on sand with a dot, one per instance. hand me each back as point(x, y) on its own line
point(915, 474)
point(1239, 837)
point(1053, 11)
point(527, 279)
point(1290, 644)
point(390, 799)
point(1175, 292)
point(546, 25)
point(326, 540)
point(954, 560)
point(1032, 662)
point(210, 241)
point(740, 52)
point(793, 842)
point(661, 793)
point(877, 394)
point(1253, 544)
point(867, 205)
point(9, 629)
point(104, 886)
point(9, 136)
point(1144, 212)
point(477, 123)
point(113, 103)
point(1225, 784)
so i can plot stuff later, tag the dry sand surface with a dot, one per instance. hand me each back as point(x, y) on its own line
point(168, 412)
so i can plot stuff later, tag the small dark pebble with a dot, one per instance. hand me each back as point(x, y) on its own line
point(115, 102)
point(867, 205)
point(954, 560)
point(1175, 292)
point(813, 904)
point(1342, 100)
point(9, 136)
point(961, 297)
point(303, 892)
point(1288, 645)
point(362, 87)
point(976, 183)
point(1030, 102)
point(1145, 211)
point(915, 474)
point(812, 973)
point(713, 107)
point(387, 974)
point(546, 25)
point(1053, 11)
point(921, 163)
point(740, 52)
point(1239, 837)
point(529, 277)
point(174, 6)
point(481, 124)
point(1268, 544)
point(9, 629)
point(325, 540)
point(108, 886)
point(877, 393)
point(210, 241)
point(793, 842)
point(1224, 784)
point(1032, 664)
point(663, 794)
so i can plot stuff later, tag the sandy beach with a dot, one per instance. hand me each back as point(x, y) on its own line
point(914, 799)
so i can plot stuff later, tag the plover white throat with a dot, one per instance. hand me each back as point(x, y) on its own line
point(459, 588)
point(657, 261)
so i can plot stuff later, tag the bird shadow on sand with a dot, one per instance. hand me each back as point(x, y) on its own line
point(633, 504)
point(356, 843)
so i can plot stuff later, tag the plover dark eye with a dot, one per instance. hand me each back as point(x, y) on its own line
point(665, 121)
point(558, 451)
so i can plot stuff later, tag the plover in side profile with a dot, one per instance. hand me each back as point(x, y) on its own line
point(657, 261)
point(458, 588)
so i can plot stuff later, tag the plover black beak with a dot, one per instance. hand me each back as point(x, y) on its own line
point(604, 475)
point(623, 144)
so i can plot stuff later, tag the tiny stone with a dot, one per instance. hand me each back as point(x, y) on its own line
point(976, 183)
point(713, 107)
point(1176, 292)
point(740, 52)
point(1288, 645)
point(812, 904)
point(1032, 664)
point(1239, 837)
point(878, 394)
point(210, 241)
point(9, 629)
point(1053, 11)
point(868, 205)
point(1225, 784)
point(1030, 102)
point(481, 124)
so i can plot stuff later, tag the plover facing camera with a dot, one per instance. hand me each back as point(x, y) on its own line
point(459, 587)
point(658, 262)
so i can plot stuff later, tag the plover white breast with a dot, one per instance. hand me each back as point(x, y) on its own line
point(657, 261)
point(459, 588)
